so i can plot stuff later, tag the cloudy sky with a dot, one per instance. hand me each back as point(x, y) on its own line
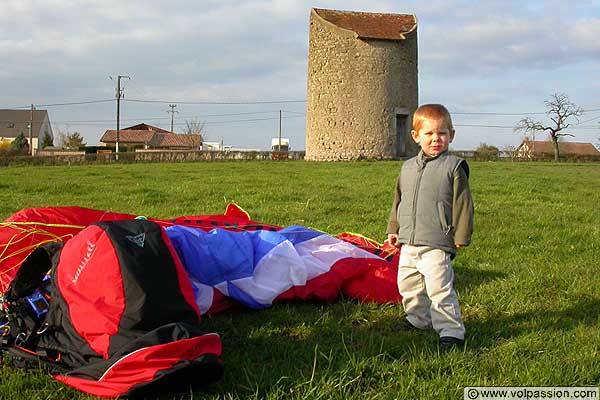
point(491, 63)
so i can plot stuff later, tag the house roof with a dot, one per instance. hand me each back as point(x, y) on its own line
point(127, 136)
point(371, 25)
point(13, 122)
point(169, 139)
point(145, 127)
point(152, 136)
point(565, 148)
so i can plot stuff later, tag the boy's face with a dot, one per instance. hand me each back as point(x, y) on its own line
point(433, 136)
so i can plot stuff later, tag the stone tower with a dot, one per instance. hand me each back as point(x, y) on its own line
point(362, 85)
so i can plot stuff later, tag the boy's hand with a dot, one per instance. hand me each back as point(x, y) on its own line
point(458, 246)
point(393, 239)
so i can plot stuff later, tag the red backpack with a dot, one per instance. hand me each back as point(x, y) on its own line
point(117, 316)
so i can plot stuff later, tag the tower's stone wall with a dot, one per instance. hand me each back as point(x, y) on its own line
point(356, 88)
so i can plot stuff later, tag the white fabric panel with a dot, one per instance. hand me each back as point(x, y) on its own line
point(275, 273)
point(321, 252)
point(204, 295)
point(286, 266)
point(222, 287)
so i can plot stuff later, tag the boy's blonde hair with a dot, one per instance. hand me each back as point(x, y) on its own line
point(431, 111)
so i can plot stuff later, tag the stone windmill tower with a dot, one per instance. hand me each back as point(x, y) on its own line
point(362, 85)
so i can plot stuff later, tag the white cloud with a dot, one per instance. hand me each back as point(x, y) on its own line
point(584, 36)
point(498, 37)
point(492, 55)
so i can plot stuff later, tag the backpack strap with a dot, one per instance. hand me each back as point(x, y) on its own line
point(24, 306)
point(27, 360)
point(32, 272)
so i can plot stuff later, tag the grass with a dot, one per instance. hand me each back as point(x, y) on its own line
point(529, 285)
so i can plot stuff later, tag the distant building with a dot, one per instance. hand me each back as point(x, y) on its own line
point(215, 146)
point(362, 85)
point(545, 149)
point(15, 122)
point(144, 136)
point(284, 146)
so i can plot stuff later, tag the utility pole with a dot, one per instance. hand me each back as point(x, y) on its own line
point(172, 112)
point(279, 149)
point(119, 95)
point(31, 130)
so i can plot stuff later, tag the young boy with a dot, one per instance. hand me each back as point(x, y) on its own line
point(431, 218)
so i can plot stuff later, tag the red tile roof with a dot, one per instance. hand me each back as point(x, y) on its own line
point(127, 136)
point(564, 148)
point(371, 25)
point(176, 140)
point(145, 127)
point(152, 137)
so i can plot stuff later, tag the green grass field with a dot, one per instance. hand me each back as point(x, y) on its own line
point(529, 285)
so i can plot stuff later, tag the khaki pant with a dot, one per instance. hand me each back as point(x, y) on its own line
point(425, 281)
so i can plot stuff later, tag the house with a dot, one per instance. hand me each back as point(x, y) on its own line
point(215, 146)
point(15, 122)
point(362, 85)
point(144, 136)
point(545, 149)
point(285, 144)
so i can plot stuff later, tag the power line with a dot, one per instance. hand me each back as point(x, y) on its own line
point(576, 126)
point(485, 126)
point(247, 120)
point(201, 116)
point(584, 111)
point(591, 119)
point(180, 123)
point(269, 102)
point(217, 102)
point(294, 112)
point(105, 122)
point(74, 103)
point(496, 113)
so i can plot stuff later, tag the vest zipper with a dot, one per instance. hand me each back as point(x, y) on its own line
point(414, 206)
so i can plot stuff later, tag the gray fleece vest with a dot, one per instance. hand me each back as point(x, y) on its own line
point(425, 209)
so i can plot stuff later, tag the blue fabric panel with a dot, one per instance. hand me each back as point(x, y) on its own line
point(244, 298)
point(216, 256)
point(264, 242)
point(222, 256)
point(298, 234)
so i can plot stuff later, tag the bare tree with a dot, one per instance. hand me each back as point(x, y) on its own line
point(486, 152)
point(74, 141)
point(70, 141)
point(561, 111)
point(62, 138)
point(194, 126)
point(511, 151)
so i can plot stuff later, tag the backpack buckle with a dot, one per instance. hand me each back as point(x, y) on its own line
point(20, 339)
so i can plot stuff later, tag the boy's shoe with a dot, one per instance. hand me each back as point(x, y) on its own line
point(449, 343)
point(404, 326)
